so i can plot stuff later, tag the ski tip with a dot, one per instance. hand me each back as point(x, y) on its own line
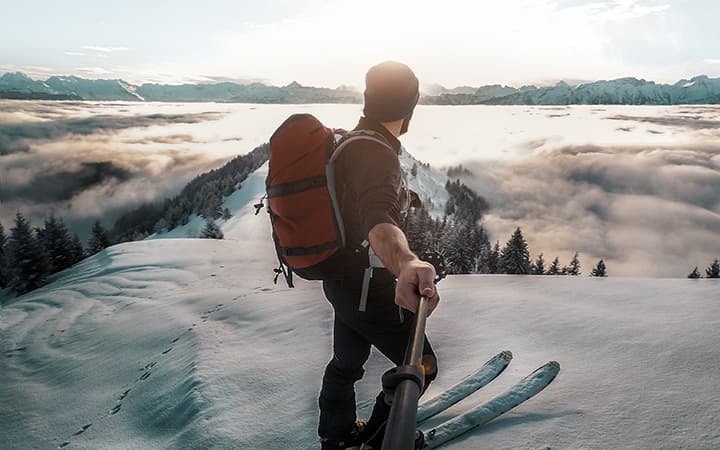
point(550, 368)
point(506, 355)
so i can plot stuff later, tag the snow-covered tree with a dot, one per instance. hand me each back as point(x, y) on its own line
point(226, 214)
point(483, 264)
point(714, 270)
point(574, 267)
point(99, 239)
point(695, 274)
point(456, 247)
point(538, 267)
point(515, 258)
point(600, 270)
point(27, 261)
point(554, 268)
point(4, 274)
point(211, 230)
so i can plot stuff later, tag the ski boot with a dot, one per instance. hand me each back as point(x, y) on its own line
point(354, 440)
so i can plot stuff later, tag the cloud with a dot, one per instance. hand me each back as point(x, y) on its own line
point(66, 158)
point(695, 122)
point(169, 139)
point(96, 48)
point(621, 10)
point(66, 183)
point(712, 61)
point(17, 137)
point(92, 71)
point(648, 211)
point(75, 54)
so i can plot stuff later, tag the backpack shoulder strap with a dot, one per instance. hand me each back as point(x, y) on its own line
point(358, 135)
point(342, 144)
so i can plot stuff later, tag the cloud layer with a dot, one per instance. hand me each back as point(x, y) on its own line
point(648, 211)
point(93, 166)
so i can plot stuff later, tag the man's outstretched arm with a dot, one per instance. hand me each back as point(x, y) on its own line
point(415, 277)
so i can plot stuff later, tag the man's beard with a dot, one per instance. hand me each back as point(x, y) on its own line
point(405, 124)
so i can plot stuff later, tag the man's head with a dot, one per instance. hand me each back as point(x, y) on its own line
point(391, 93)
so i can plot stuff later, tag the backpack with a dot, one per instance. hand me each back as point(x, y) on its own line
point(307, 226)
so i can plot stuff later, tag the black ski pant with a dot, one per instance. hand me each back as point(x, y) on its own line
point(383, 325)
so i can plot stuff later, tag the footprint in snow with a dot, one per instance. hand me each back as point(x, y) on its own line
point(82, 430)
point(148, 366)
point(145, 375)
point(167, 351)
point(123, 395)
point(64, 444)
point(14, 351)
point(175, 340)
point(115, 410)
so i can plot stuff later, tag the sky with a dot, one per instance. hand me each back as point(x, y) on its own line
point(329, 43)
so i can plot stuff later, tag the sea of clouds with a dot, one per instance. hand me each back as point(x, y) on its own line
point(636, 186)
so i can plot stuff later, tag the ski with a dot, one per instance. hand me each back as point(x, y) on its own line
point(485, 412)
point(470, 384)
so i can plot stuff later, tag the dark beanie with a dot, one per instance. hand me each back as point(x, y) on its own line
point(391, 92)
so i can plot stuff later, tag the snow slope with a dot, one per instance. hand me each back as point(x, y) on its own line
point(186, 343)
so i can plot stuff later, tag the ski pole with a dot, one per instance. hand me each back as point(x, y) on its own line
point(400, 432)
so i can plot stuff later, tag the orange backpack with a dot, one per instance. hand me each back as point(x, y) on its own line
point(307, 227)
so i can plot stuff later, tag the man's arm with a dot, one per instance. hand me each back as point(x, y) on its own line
point(415, 277)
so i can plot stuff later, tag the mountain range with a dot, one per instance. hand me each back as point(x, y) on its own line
point(622, 91)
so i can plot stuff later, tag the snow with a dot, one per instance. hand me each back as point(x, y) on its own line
point(429, 183)
point(187, 343)
point(239, 202)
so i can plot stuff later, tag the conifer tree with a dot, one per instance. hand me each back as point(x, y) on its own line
point(4, 272)
point(77, 252)
point(98, 239)
point(538, 267)
point(27, 261)
point(57, 244)
point(515, 258)
point(494, 259)
point(714, 270)
point(574, 267)
point(484, 259)
point(695, 274)
point(600, 270)
point(227, 214)
point(211, 230)
point(457, 254)
point(554, 268)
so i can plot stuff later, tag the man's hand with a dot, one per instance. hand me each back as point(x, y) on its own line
point(416, 278)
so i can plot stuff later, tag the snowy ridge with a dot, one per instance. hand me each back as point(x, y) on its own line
point(429, 184)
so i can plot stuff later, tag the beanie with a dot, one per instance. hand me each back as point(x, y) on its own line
point(391, 92)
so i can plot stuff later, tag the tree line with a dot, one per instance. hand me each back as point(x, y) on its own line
point(28, 256)
point(712, 271)
point(203, 196)
point(465, 244)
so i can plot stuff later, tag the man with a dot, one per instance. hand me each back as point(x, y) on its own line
point(372, 198)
